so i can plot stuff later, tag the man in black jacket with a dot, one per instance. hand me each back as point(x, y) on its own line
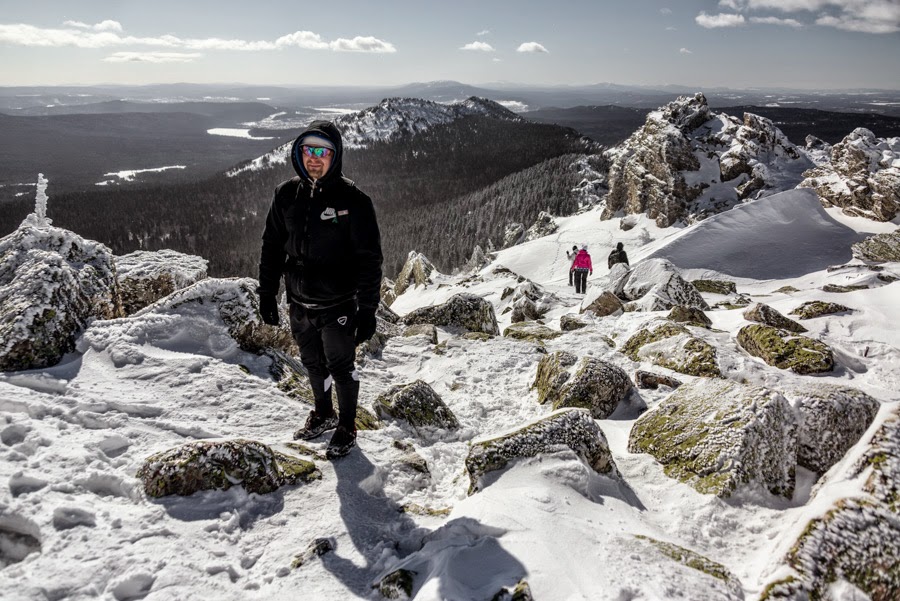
point(321, 232)
point(617, 256)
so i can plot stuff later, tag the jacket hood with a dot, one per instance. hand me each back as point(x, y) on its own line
point(328, 130)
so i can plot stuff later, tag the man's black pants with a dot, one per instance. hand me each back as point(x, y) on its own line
point(581, 280)
point(326, 338)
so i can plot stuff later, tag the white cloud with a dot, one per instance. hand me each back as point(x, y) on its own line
point(152, 57)
point(776, 21)
point(107, 25)
point(479, 46)
point(666, 11)
point(80, 35)
point(850, 23)
point(685, 51)
point(483, 32)
point(671, 29)
point(865, 16)
point(720, 20)
point(732, 4)
point(531, 47)
point(497, 60)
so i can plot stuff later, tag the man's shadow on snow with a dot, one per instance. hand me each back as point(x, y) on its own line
point(376, 524)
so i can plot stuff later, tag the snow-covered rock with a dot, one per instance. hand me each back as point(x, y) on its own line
point(464, 310)
point(764, 314)
point(811, 309)
point(782, 350)
point(425, 330)
point(388, 293)
point(880, 248)
point(544, 225)
point(672, 346)
point(416, 404)
point(592, 384)
point(514, 234)
point(219, 465)
point(831, 420)
point(656, 285)
point(415, 272)
point(572, 428)
point(686, 163)
point(647, 379)
point(530, 331)
point(863, 177)
point(690, 316)
point(605, 304)
point(147, 276)
point(52, 283)
point(724, 287)
point(569, 322)
point(720, 436)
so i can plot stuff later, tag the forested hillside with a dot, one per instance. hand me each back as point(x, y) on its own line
point(413, 182)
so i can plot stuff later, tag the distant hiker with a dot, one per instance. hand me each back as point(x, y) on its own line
point(321, 231)
point(582, 266)
point(617, 256)
point(571, 257)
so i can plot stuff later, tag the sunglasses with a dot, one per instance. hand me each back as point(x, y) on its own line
point(316, 151)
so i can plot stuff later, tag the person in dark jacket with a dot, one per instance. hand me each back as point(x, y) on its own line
point(322, 234)
point(617, 256)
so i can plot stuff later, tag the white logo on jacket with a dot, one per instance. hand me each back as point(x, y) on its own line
point(342, 320)
point(328, 213)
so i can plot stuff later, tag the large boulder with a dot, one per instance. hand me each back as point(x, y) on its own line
point(465, 311)
point(656, 285)
point(883, 459)
point(672, 346)
point(831, 420)
point(811, 309)
point(765, 314)
point(572, 428)
point(691, 316)
point(723, 287)
point(52, 283)
point(530, 331)
point(605, 304)
point(592, 384)
point(514, 234)
point(219, 465)
point(570, 322)
point(415, 272)
point(880, 248)
point(543, 226)
point(780, 349)
point(863, 177)
point(147, 276)
point(416, 404)
point(720, 436)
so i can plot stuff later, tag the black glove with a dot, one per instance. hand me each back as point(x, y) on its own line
point(268, 309)
point(365, 326)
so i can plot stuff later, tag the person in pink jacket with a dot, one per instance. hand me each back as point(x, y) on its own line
point(582, 267)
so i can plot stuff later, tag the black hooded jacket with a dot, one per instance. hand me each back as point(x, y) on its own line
point(323, 234)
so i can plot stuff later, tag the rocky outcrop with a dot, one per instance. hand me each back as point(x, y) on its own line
point(530, 331)
point(208, 465)
point(811, 309)
point(425, 330)
point(529, 302)
point(691, 316)
point(514, 234)
point(782, 350)
point(656, 285)
point(477, 261)
point(672, 168)
point(52, 283)
point(416, 404)
point(689, 558)
point(466, 311)
point(880, 248)
point(647, 379)
point(724, 287)
point(569, 323)
point(863, 177)
point(672, 346)
point(719, 436)
point(604, 305)
point(831, 420)
point(764, 314)
point(572, 428)
point(388, 294)
point(415, 272)
point(147, 276)
point(543, 226)
point(592, 384)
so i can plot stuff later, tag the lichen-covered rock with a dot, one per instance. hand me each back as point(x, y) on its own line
point(592, 384)
point(724, 287)
point(656, 285)
point(672, 346)
point(147, 276)
point(605, 304)
point(416, 272)
point(698, 562)
point(765, 314)
point(466, 311)
point(388, 293)
point(811, 309)
point(881, 248)
point(690, 316)
point(425, 330)
point(514, 234)
point(520, 592)
point(863, 177)
point(417, 404)
point(385, 313)
point(831, 420)
point(219, 465)
point(778, 348)
point(477, 261)
point(397, 585)
point(543, 226)
point(530, 331)
point(841, 289)
point(52, 283)
point(317, 548)
point(572, 428)
point(646, 379)
point(569, 323)
point(524, 309)
point(883, 457)
point(719, 436)
point(857, 542)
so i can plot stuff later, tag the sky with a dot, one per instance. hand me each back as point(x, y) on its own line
point(805, 44)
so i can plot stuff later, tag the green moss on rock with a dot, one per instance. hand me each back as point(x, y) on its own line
point(811, 309)
point(841, 289)
point(530, 331)
point(466, 311)
point(685, 354)
point(689, 315)
point(552, 373)
point(417, 404)
point(697, 562)
point(724, 287)
point(778, 348)
point(765, 314)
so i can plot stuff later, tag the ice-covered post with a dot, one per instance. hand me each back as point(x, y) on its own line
point(39, 217)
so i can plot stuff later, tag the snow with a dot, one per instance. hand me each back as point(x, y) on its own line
point(129, 175)
point(235, 133)
point(74, 435)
